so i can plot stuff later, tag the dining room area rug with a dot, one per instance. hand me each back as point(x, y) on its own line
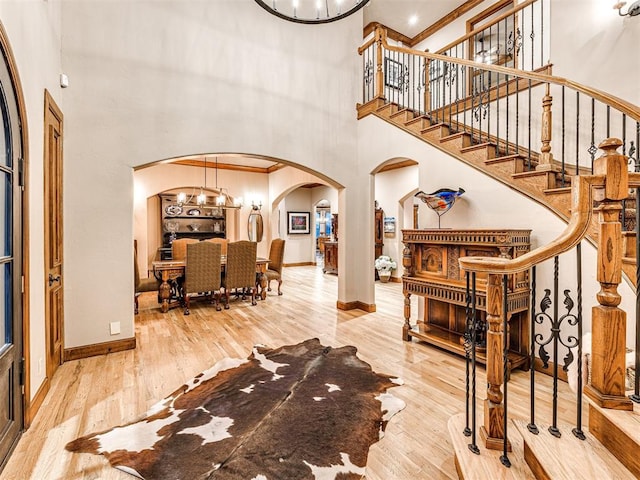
point(303, 411)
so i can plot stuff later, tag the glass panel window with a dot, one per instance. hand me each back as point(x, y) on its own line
point(5, 130)
point(6, 305)
point(6, 209)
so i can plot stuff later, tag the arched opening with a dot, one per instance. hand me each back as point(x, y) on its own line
point(273, 186)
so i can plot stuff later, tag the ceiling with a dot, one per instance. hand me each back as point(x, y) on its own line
point(394, 14)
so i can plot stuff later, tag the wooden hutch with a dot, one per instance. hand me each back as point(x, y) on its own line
point(331, 248)
point(430, 258)
point(189, 220)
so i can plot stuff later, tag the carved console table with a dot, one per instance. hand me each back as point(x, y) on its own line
point(432, 271)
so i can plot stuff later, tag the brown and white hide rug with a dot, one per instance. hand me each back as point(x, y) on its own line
point(301, 411)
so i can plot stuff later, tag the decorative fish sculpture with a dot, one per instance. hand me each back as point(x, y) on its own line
point(441, 200)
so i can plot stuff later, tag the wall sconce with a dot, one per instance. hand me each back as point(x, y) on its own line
point(632, 11)
point(255, 226)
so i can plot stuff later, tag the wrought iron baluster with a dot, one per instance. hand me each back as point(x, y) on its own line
point(563, 125)
point(532, 35)
point(555, 333)
point(468, 332)
point(542, 34)
point(473, 445)
point(506, 142)
point(578, 135)
point(636, 384)
point(504, 458)
point(532, 355)
point(529, 129)
point(592, 148)
point(577, 431)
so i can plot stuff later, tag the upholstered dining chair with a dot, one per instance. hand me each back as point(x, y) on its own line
point(179, 248)
point(274, 269)
point(222, 241)
point(202, 273)
point(240, 271)
point(141, 285)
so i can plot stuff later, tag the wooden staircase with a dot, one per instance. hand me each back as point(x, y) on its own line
point(613, 436)
point(520, 171)
point(609, 451)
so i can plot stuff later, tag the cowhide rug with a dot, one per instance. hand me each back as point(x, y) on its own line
point(301, 411)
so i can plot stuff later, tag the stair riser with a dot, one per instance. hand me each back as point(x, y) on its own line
point(458, 142)
point(418, 126)
point(435, 134)
point(617, 442)
point(403, 117)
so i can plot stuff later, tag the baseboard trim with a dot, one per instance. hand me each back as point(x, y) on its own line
point(367, 307)
point(85, 351)
point(33, 406)
point(300, 264)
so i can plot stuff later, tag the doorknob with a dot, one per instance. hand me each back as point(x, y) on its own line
point(53, 279)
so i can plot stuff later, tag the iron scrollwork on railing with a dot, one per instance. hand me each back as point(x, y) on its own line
point(514, 43)
point(368, 72)
point(569, 341)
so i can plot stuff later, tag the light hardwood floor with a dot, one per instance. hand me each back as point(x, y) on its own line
point(100, 392)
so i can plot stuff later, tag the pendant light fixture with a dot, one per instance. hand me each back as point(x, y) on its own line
point(312, 11)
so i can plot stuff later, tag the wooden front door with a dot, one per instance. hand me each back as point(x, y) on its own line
point(11, 322)
point(54, 318)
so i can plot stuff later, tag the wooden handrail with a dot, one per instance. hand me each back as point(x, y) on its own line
point(627, 108)
point(581, 213)
point(485, 26)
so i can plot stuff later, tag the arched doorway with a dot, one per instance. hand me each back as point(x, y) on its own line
point(11, 253)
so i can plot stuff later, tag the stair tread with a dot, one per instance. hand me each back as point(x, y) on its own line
point(487, 464)
point(416, 120)
point(477, 146)
point(401, 112)
point(557, 191)
point(579, 459)
point(435, 126)
point(627, 421)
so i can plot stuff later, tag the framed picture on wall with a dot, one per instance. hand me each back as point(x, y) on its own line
point(297, 223)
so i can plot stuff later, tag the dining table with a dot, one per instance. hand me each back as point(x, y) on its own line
point(167, 270)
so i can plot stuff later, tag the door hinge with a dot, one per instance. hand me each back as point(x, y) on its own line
point(21, 373)
point(21, 172)
point(22, 284)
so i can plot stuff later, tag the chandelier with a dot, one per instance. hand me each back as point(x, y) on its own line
point(221, 200)
point(312, 11)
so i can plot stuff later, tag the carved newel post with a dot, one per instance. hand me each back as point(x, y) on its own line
point(380, 34)
point(608, 322)
point(493, 429)
point(407, 263)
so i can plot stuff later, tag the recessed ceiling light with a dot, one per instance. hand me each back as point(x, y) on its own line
point(413, 19)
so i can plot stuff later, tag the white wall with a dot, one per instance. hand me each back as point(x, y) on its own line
point(33, 28)
point(164, 79)
point(603, 46)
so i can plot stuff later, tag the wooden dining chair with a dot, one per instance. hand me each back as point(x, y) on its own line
point(141, 285)
point(179, 248)
point(202, 273)
point(240, 271)
point(222, 241)
point(274, 269)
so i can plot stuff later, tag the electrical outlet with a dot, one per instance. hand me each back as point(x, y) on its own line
point(114, 328)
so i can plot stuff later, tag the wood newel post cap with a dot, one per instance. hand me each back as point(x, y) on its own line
point(614, 166)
